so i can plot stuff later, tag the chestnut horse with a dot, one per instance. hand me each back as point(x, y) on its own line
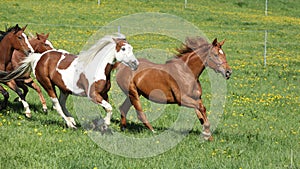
point(12, 39)
point(40, 44)
point(85, 75)
point(175, 82)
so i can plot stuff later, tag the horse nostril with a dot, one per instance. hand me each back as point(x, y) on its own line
point(228, 72)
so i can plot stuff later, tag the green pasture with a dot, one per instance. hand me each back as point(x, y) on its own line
point(260, 125)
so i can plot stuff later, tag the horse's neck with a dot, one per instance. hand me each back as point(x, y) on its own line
point(98, 66)
point(5, 53)
point(195, 63)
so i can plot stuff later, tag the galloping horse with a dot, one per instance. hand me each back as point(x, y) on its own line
point(12, 39)
point(40, 44)
point(175, 82)
point(85, 75)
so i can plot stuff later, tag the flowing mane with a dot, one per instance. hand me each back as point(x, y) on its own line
point(102, 47)
point(191, 44)
point(13, 28)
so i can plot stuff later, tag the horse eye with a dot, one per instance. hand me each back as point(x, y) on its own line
point(123, 49)
point(20, 37)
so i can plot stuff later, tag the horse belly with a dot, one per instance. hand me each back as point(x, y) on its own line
point(70, 77)
point(156, 87)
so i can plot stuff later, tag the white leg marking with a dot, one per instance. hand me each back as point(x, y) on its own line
point(69, 120)
point(27, 110)
point(108, 109)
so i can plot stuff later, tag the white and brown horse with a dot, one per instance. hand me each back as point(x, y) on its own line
point(85, 75)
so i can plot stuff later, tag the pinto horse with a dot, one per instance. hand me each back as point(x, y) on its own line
point(175, 82)
point(85, 75)
point(12, 39)
point(40, 44)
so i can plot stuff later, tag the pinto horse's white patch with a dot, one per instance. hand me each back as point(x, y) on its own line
point(70, 75)
point(221, 51)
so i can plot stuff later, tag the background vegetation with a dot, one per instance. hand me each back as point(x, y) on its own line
point(260, 125)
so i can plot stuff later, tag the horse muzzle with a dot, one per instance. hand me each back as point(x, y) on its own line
point(133, 64)
point(227, 73)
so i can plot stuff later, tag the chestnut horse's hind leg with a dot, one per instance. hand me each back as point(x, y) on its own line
point(6, 96)
point(135, 100)
point(29, 82)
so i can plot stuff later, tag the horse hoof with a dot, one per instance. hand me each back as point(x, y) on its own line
point(17, 99)
point(28, 115)
point(123, 128)
point(210, 138)
point(45, 110)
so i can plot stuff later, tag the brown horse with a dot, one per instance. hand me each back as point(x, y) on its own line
point(40, 44)
point(175, 82)
point(12, 39)
point(85, 75)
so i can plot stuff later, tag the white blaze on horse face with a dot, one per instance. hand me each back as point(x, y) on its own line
point(221, 51)
point(27, 42)
point(49, 43)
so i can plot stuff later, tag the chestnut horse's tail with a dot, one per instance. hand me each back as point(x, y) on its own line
point(20, 71)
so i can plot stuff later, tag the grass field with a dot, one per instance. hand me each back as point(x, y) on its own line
point(260, 125)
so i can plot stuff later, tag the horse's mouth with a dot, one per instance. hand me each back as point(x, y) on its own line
point(227, 74)
point(132, 64)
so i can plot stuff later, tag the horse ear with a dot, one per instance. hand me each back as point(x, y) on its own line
point(47, 35)
point(115, 40)
point(38, 36)
point(215, 42)
point(23, 29)
point(222, 43)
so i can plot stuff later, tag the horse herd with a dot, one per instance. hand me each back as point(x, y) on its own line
point(88, 74)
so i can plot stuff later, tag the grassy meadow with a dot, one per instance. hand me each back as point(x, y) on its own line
point(260, 125)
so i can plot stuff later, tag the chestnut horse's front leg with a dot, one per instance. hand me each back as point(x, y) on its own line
point(200, 111)
point(124, 108)
point(135, 101)
point(12, 84)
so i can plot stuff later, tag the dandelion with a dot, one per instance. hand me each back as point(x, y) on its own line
point(39, 134)
point(59, 141)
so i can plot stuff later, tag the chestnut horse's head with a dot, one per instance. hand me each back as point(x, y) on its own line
point(216, 59)
point(18, 39)
point(41, 43)
point(124, 53)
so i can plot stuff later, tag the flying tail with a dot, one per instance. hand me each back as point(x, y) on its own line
point(21, 70)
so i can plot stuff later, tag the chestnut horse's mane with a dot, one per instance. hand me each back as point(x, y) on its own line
point(191, 44)
point(13, 28)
